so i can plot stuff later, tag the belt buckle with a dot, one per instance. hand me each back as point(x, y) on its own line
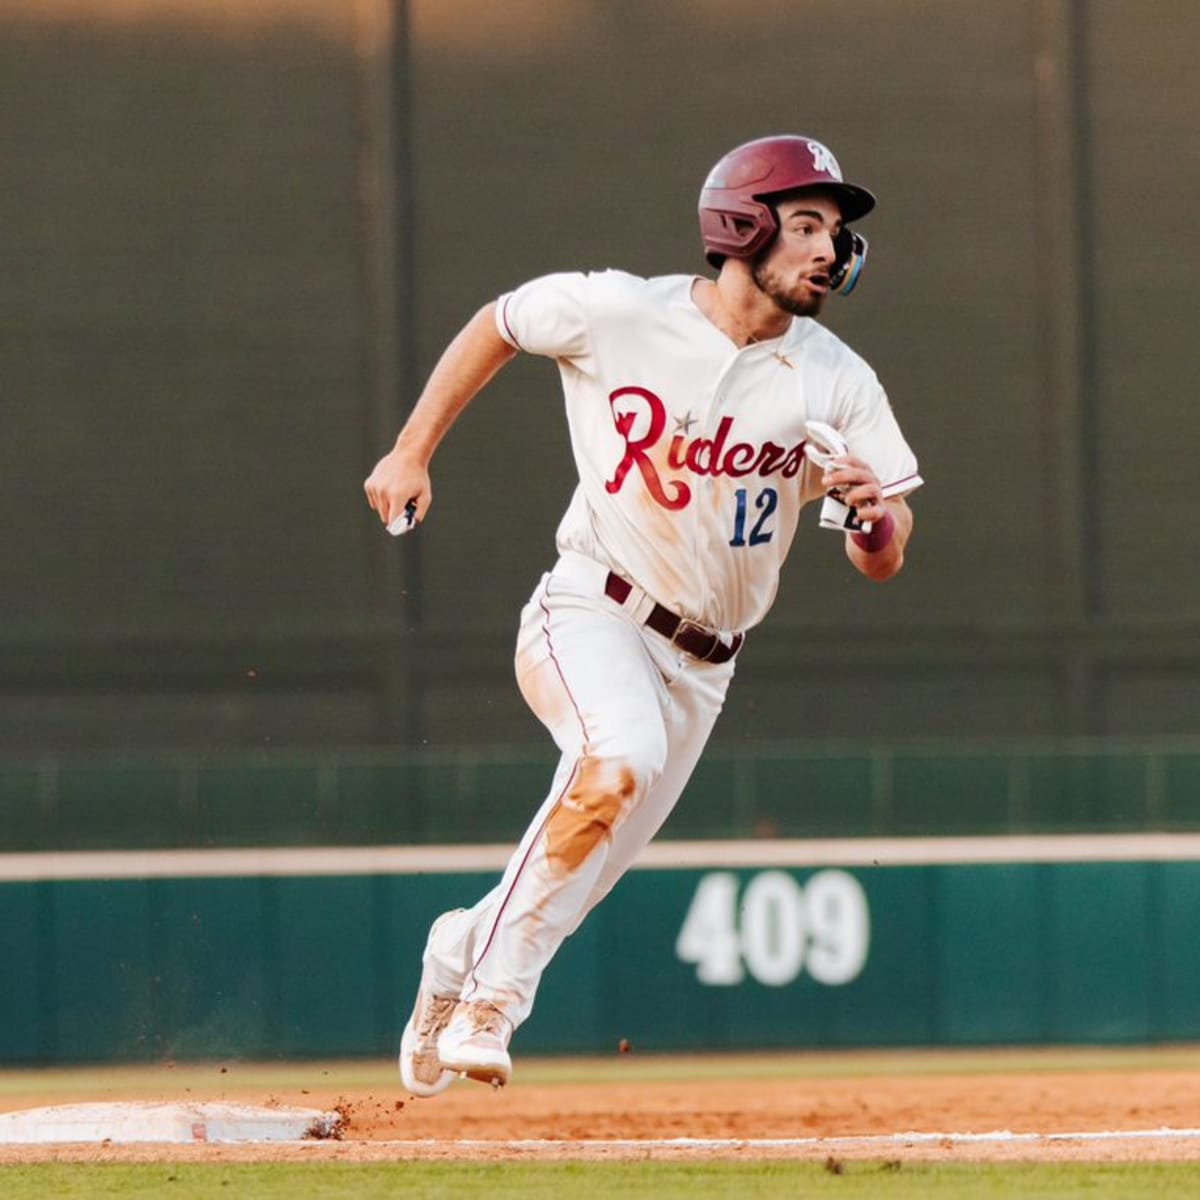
point(686, 628)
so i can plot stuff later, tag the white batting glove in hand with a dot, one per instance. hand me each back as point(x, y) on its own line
point(405, 521)
point(822, 447)
point(836, 515)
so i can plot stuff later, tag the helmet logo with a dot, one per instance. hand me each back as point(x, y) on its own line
point(823, 160)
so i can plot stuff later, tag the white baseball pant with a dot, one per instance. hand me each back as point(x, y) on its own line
point(630, 714)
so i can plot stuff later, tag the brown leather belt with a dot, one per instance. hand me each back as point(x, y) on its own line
point(691, 638)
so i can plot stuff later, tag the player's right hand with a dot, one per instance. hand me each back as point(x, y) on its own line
point(398, 481)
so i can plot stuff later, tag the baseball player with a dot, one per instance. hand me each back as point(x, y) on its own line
point(703, 414)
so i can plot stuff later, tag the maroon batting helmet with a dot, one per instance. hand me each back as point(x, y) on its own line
point(737, 219)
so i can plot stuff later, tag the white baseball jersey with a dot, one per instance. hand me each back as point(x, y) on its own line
point(692, 471)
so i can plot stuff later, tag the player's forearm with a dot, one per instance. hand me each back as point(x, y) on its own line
point(466, 366)
point(881, 562)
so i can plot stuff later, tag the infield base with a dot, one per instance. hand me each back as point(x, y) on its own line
point(129, 1122)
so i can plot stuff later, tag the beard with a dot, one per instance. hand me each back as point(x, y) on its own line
point(797, 300)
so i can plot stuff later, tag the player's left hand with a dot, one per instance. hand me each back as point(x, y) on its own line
point(855, 484)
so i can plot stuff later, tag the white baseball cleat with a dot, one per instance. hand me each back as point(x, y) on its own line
point(420, 1070)
point(475, 1043)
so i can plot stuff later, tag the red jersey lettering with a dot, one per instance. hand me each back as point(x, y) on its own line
point(700, 456)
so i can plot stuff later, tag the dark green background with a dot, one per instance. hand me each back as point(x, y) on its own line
point(764, 791)
point(234, 247)
point(301, 968)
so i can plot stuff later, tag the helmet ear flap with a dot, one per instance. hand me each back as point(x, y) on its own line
point(739, 228)
point(851, 251)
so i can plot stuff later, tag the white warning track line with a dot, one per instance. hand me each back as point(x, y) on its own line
point(999, 1136)
point(40, 866)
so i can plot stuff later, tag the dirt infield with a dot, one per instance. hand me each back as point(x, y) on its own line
point(849, 1106)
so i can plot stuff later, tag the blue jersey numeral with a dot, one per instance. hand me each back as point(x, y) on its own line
point(765, 502)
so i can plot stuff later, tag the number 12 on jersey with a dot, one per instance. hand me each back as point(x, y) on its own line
point(765, 502)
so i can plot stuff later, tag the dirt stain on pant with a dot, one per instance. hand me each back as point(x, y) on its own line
point(586, 815)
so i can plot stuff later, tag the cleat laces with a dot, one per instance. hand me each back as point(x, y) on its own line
point(433, 1017)
point(485, 1017)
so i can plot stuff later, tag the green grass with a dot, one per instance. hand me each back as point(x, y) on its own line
point(576, 1181)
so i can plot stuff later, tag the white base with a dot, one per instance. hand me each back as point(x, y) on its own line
point(139, 1122)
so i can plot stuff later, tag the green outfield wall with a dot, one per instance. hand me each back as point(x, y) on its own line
point(196, 956)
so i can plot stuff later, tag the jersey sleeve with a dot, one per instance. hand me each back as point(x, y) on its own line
point(873, 434)
point(547, 316)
